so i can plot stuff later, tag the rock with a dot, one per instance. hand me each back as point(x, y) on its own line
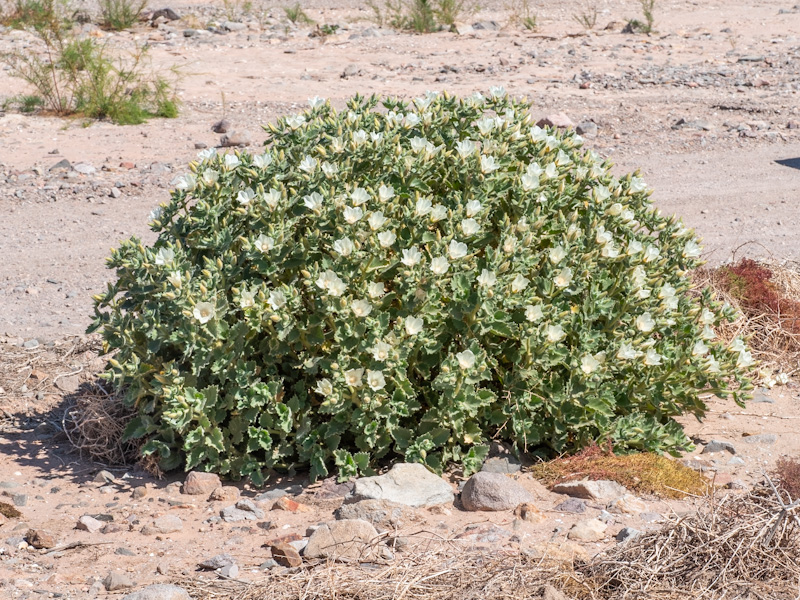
point(463, 28)
point(599, 491)
point(572, 505)
point(243, 510)
point(233, 26)
point(764, 439)
point(84, 168)
point(627, 533)
point(159, 591)
point(486, 25)
point(592, 530)
point(224, 493)
point(38, 538)
point(701, 124)
point(501, 464)
point(222, 126)
point(493, 491)
point(62, 165)
point(236, 139)
point(330, 489)
point(69, 384)
point(287, 504)
point(165, 524)
point(587, 128)
point(104, 477)
point(198, 483)
point(735, 461)
point(139, 492)
point(286, 555)
point(737, 484)
point(90, 524)
point(291, 490)
point(530, 513)
point(269, 564)
point(30, 344)
point(381, 513)
point(164, 13)
point(162, 568)
point(115, 192)
point(718, 446)
point(217, 561)
point(231, 571)
point(117, 581)
point(791, 124)
point(751, 58)
point(558, 120)
point(20, 499)
point(406, 483)
point(548, 592)
point(345, 539)
point(627, 505)
point(351, 70)
point(122, 551)
point(651, 517)
point(485, 533)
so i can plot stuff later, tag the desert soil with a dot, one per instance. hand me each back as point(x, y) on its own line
point(707, 108)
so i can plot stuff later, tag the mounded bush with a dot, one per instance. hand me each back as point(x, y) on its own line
point(410, 282)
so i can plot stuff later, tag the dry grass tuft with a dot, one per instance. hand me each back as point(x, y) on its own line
point(642, 473)
point(7, 510)
point(787, 475)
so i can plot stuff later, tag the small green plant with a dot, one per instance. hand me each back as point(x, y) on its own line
point(410, 280)
point(522, 14)
point(296, 15)
point(647, 10)
point(421, 16)
point(234, 9)
point(121, 14)
point(588, 18)
point(24, 103)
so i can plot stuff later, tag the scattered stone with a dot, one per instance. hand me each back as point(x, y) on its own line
point(751, 58)
point(84, 168)
point(69, 384)
point(243, 510)
point(651, 517)
point(139, 492)
point(231, 571)
point(737, 484)
point(90, 524)
point(600, 491)
point(200, 145)
point(289, 505)
point(115, 192)
point(695, 124)
point(463, 28)
point(381, 513)
point(236, 139)
point(483, 533)
point(224, 493)
point(592, 530)
point(735, 461)
point(20, 499)
point(501, 464)
point(627, 533)
point(62, 165)
point(529, 512)
point(38, 538)
point(572, 505)
point(162, 568)
point(345, 539)
point(330, 489)
point(406, 483)
point(30, 344)
point(165, 524)
point(159, 591)
point(117, 581)
point(351, 70)
point(113, 528)
point(269, 564)
point(718, 446)
point(558, 120)
point(765, 439)
point(493, 491)
point(760, 397)
point(486, 25)
point(164, 13)
point(222, 126)
point(104, 477)
point(627, 505)
point(587, 128)
point(124, 552)
point(286, 555)
point(793, 124)
point(291, 490)
point(198, 483)
point(217, 562)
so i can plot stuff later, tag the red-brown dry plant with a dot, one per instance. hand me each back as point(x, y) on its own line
point(787, 472)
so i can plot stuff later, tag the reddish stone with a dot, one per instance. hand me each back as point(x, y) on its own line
point(286, 555)
point(286, 503)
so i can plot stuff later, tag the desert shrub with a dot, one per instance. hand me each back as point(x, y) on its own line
point(121, 14)
point(421, 16)
point(787, 475)
point(32, 14)
point(410, 280)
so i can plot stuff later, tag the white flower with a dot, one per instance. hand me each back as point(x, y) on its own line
point(651, 253)
point(466, 359)
point(615, 209)
point(626, 352)
point(262, 160)
point(203, 311)
point(645, 322)
point(324, 387)
point(627, 215)
point(538, 134)
point(361, 308)
point(637, 185)
point(337, 145)
point(386, 238)
point(519, 283)
point(380, 351)
point(602, 236)
point(337, 287)
point(699, 349)
point(432, 150)
point(247, 299)
point(344, 246)
point(264, 243)
point(652, 358)
point(376, 220)
point(418, 144)
point(414, 325)
point(376, 136)
point(439, 265)
point(210, 176)
point(272, 198)
point(563, 278)
point(639, 276)
point(330, 281)
point(666, 292)
point(707, 317)
point(692, 249)
point(712, 364)
point(385, 192)
point(497, 91)
point(359, 137)
point(411, 256)
point(308, 164)
point(457, 250)
point(438, 213)
point(423, 207)
point(185, 183)
point(557, 254)
point(534, 313)
point(295, 121)
point(375, 380)
point(550, 171)
point(353, 214)
point(359, 196)
point(562, 158)
point(509, 244)
point(610, 250)
point(473, 208)
point(156, 213)
point(175, 279)
point(555, 333)
point(329, 169)
point(276, 300)
point(207, 154)
point(470, 227)
point(634, 247)
point(529, 182)
point(316, 101)
point(589, 364)
point(165, 256)
point(353, 377)
point(313, 201)
point(601, 193)
point(737, 345)
point(485, 125)
point(376, 289)
point(643, 293)
point(488, 164)
point(465, 148)
point(245, 197)
point(231, 161)
point(745, 360)
point(487, 278)
point(411, 120)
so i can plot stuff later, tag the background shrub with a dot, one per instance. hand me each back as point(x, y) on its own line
point(410, 281)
